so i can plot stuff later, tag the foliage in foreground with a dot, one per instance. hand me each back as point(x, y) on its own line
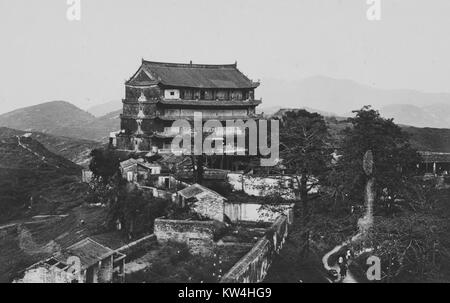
point(175, 264)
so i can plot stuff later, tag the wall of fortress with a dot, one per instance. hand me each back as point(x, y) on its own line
point(253, 267)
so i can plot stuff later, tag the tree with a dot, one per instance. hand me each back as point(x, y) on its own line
point(304, 150)
point(135, 210)
point(104, 164)
point(393, 156)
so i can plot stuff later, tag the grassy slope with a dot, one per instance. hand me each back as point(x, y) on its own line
point(73, 149)
point(424, 139)
point(28, 169)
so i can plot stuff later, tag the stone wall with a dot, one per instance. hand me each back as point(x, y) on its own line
point(159, 193)
point(253, 267)
point(105, 270)
point(136, 247)
point(210, 206)
point(198, 235)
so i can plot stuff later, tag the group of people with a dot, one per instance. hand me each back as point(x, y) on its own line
point(343, 262)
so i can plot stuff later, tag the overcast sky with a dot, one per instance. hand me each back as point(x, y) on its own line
point(45, 57)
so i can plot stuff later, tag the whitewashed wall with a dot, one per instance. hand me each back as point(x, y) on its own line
point(264, 186)
point(254, 212)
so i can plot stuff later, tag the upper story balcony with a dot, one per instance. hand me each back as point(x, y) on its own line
point(210, 103)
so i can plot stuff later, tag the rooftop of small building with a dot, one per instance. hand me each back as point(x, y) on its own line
point(87, 250)
point(438, 157)
point(197, 189)
point(208, 174)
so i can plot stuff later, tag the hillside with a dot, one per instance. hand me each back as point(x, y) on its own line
point(110, 121)
point(60, 118)
point(73, 149)
point(28, 169)
point(429, 139)
point(105, 108)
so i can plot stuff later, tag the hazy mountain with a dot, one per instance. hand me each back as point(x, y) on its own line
point(435, 115)
point(60, 118)
point(342, 96)
point(278, 111)
point(105, 108)
point(110, 121)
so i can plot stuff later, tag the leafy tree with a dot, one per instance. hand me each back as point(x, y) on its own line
point(104, 164)
point(394, 158)
point(412, 247)
point(135, 210)
point(304, 150)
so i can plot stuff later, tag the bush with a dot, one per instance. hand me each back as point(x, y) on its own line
point(174, 264)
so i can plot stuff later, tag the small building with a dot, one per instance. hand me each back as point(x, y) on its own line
point(144, 169)
point(128, 169)
point(134, 170)
point(171, 162)
point(203, 201)
point(86, 261)
point(435, 163)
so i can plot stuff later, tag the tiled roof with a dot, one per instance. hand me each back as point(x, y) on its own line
point(194, 75)
point(208, 174)
point(128, 163)
point(89, 252)
point(430, 157)
point(149, 165)
point(196, 189)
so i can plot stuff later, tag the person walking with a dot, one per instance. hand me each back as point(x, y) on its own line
point(348, 255)
point(342, 263)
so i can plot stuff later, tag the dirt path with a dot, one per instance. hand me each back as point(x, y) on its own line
point(350, 278)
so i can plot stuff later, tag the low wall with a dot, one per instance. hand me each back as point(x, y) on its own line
point(253, 267)
point(256, 212)
point(198, 235)
point(159, 193)
point(137, 246)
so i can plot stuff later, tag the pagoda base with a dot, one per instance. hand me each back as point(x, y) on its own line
point(138, 143)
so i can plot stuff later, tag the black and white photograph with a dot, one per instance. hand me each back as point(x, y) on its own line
point(224, 143)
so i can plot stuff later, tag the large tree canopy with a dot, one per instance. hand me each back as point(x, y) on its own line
point(304, 149)
point(104, 164)
point(394, 159)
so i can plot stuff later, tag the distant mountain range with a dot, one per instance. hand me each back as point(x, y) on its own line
point(336, 97)
point(434, 115)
